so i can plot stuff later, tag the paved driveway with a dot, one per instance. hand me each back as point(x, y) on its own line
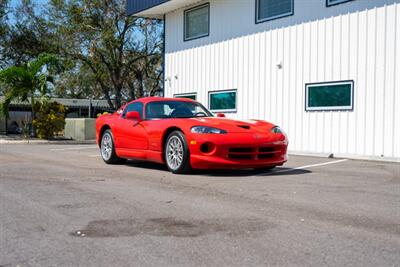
point(60, 205)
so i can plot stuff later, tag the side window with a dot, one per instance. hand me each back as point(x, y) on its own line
point(188, 95)
point(158, 110)
point(273, 9)
point(335, 2)
point(197, 22)
point(137, 106)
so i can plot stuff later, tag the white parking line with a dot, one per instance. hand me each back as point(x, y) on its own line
point(310, 166)
point(94, 156)
point(74, 148)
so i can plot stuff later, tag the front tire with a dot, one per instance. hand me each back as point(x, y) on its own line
point(107, 149)
point(176, 153)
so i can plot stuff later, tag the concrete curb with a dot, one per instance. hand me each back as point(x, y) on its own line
point(345, 156)
point(46, 142)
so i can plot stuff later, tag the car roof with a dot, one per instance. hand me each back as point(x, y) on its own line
point(146, 100)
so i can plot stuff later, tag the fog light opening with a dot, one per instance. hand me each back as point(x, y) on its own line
point(207, 148)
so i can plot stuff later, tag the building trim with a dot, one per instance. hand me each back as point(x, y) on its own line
point(147, 5)
point(163, 55)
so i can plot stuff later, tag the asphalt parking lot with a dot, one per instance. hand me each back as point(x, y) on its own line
point(60, 205)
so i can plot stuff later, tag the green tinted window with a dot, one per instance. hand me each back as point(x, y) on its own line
point(222, 101)
point(329, 96)
point(190, 96)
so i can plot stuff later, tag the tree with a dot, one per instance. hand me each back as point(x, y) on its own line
point(26, 37)
point(122, 53)
point(77, 82)
point(3, 27)
point(27, 81)
point(108, 54)
point(3, 13)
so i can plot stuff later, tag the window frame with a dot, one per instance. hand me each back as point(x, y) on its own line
point(258, 20)
point(185, 39)
point(330, 108)
point(328, 4)
point(186, 94)
point(223, 110)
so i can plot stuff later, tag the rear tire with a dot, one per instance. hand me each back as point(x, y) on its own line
point(176, 153)
point(107, 149)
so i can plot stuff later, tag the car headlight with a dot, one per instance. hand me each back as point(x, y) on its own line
point(207, 130)
point(277, 130)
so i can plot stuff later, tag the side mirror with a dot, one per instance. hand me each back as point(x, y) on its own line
point(134, 116)
point(221, 115)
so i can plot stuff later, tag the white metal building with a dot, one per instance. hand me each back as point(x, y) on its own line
point(326, 71)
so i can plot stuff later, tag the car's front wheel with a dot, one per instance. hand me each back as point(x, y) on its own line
point(107, 149)
point(177, 153)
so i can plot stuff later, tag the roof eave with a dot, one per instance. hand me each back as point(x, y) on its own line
point(155, 8)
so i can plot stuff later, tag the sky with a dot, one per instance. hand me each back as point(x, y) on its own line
point(15, 3)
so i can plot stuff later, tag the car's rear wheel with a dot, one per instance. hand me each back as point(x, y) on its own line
point(176, 153)
point(107, 149)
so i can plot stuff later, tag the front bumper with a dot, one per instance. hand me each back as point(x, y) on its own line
point(237, 151)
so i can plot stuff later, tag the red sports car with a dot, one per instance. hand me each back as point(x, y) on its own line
point(184, 135)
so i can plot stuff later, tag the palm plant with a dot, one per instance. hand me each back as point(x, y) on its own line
point(27, 81)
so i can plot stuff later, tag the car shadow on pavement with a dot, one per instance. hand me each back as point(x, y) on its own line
point(279, 171)
point(251, 172)
point(146, 165)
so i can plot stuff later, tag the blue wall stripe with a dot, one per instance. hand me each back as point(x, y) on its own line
point(136, 6)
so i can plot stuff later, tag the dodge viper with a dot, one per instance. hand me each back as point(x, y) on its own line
point(184, 135)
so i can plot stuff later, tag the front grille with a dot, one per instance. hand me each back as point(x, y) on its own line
point(240, 156)
point(240, 150)
point(265, 156)
point(250, 153)
point(266, 149)
point(241, 153)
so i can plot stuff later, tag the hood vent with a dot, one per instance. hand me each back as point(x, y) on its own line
point(247, 127)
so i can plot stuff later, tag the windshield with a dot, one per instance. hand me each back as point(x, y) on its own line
point(175, 109)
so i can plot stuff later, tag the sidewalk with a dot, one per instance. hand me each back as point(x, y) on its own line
point(18, 139)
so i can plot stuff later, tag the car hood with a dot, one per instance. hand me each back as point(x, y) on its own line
point(234, 126)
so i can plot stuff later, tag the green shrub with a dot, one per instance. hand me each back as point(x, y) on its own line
point(101, 114)
point(49, 118)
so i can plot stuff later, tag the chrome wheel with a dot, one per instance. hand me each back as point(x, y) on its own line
point(106, 146)
point(174, 153)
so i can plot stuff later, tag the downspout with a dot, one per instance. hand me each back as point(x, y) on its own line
point(163, 63)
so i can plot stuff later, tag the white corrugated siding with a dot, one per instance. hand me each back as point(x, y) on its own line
point(362, 46)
